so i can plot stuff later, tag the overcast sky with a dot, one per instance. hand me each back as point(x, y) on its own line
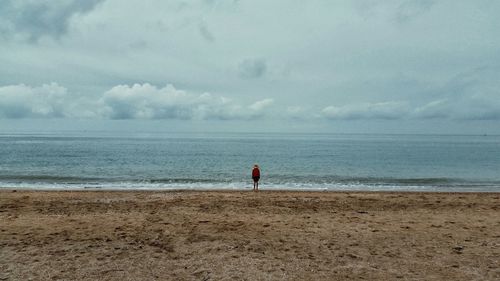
point(406, 66)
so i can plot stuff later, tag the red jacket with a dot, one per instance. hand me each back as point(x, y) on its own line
point(255, 172)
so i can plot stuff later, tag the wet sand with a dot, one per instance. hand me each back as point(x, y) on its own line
point(219, 235)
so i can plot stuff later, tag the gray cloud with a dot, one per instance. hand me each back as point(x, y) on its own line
point(205, 32)
point(252, 68)
point(34, 19)
point(411, 9)
point(138, 45)
point(401, 60)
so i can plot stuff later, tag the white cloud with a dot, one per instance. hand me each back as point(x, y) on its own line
point(261, 105)
point(380, 110)
point(21, 101)
point(433, 110)
point(476, 101)
point(139, 101)
point(145, 101)
point(298, 112)
point(467, 108)
point(472, 95)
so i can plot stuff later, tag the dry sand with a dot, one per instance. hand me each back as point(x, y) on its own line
point(215, 235)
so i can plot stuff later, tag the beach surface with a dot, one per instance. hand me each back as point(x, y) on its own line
point(238, 235)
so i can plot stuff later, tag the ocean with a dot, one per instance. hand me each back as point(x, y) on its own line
point(100, 160)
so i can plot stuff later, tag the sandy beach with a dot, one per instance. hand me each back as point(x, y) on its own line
point(232, 235)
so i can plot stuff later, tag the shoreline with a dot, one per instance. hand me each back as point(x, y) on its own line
point(227, 235)
point(242, 190)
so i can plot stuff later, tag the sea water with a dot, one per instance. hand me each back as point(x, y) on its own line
point(98, 160)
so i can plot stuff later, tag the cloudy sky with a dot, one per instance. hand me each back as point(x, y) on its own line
point(364, 66)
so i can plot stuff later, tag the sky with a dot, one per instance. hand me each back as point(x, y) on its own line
point(322, 66)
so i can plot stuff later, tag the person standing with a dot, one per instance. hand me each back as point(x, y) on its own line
point(255, 177)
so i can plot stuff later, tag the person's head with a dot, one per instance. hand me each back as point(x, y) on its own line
point(256, 166)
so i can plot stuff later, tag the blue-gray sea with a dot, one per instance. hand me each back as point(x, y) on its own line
point(100, 160)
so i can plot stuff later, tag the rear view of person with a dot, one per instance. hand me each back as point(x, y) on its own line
point(255, 177)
